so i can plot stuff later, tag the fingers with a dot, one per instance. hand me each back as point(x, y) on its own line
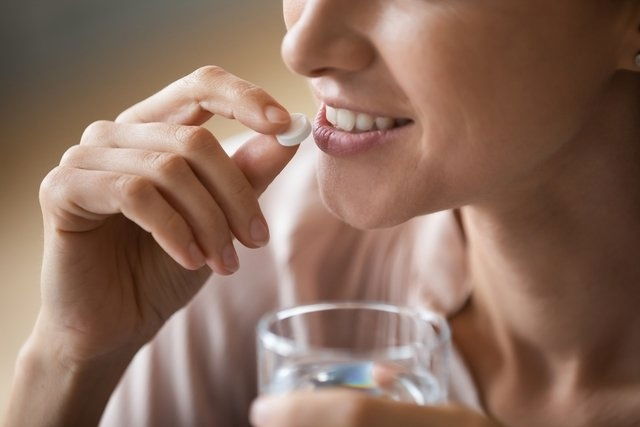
point(69, 194)
point(261, 159)
point(234, 183)
point(176, 181)
point(340, 408)
point(209, 90)
point(322, 408)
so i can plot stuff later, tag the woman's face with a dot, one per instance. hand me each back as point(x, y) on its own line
point(496, 90)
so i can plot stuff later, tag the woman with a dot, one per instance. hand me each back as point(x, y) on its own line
point(516, 121)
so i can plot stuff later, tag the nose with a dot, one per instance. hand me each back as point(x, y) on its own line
point(323, 39)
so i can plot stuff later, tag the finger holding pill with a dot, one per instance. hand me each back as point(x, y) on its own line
point(142, 203)
point(262, 157)
point(208, 91)
point(297, 132)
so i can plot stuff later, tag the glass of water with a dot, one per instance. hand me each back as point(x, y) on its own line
point(381, 349)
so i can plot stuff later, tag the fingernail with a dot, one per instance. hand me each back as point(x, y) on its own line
point(259, 231)
point(260, 411)
point(196, 254)
point(276, 115)
point(230, 258)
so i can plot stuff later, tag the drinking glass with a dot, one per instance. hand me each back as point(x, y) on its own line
point(384, 350)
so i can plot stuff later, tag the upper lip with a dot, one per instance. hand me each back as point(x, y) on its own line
point(359, 107)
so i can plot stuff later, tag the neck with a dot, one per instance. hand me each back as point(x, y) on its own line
point(555, 262)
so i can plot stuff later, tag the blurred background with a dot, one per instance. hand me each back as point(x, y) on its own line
point(67, 63)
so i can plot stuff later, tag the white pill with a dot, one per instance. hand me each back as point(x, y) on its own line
point(298, 131)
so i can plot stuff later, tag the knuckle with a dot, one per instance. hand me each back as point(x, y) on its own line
point(217, 221)
point(194, 138)
point(96, 131)
point(205, 75)
point(51, 183)
point(241, 190)
point(133, 188)
point(173, 223)
point(244, 89)
point(167, 164)
point(72, 155)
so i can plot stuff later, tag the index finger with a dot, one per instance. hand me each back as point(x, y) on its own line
point(195, 98)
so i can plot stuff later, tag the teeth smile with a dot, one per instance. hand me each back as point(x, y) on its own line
point(352, 121)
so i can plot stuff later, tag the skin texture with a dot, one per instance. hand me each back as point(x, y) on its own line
point(339, 408)
point(527, 121)
point(498, 90)
point(136, 218)
point(525, 118)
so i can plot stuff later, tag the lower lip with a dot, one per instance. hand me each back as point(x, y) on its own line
point(336, 142)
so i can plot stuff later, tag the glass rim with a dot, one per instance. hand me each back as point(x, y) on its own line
point(286, 346)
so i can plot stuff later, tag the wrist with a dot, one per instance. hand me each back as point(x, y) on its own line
point(51, 355)
point(50, 388)
point(73, 349)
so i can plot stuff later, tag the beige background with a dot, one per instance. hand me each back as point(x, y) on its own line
point(73, 64)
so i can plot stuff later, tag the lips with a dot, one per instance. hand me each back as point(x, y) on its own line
point(340, 143)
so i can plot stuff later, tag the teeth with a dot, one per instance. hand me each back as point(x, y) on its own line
point(346, 119)
point(351, 121)
point(364, 122)
point(332, 115)
point(384, 123)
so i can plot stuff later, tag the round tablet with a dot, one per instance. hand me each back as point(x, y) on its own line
point(298, 131)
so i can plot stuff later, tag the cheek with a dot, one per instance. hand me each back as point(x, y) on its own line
point(495, 97)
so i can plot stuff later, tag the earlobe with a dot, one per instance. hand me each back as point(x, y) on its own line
point(636, 39)
point(630, 53)
point(629, 26)
point(630, 61)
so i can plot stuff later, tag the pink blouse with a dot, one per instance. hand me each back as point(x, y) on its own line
point(200, 369)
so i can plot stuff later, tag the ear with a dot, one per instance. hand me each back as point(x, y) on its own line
point(629, 52)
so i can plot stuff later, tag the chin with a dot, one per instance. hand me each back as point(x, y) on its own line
point(384, 187)
point(365, 211)
point(367, 200)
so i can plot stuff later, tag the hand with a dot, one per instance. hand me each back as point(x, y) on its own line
point(141, 211)
point(344, 408)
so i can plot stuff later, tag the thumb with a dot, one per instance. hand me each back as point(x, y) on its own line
point(391, 413)
point(261, 159)
point(347, 408)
